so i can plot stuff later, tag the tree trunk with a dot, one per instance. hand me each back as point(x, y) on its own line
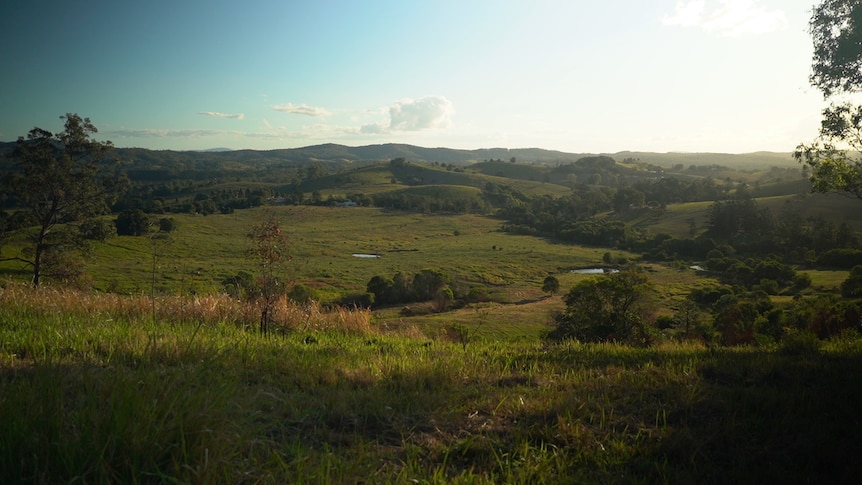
point(37, 260)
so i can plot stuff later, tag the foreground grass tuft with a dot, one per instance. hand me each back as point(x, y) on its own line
point(93, 393)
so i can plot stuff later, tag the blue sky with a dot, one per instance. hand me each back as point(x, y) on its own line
point(578, 76)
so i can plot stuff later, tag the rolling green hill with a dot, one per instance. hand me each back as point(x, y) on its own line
point(383, 177)
point(740, 161)
point(342, 155)
point(513, 170)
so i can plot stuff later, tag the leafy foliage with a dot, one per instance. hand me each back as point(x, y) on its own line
point(61, 179)
point(132, 223)
point(836, 31)
point(425, 285)
point(832, 168)
point(852, 286)
point(97, 229)
point(841, 258)
point(551, 285)
point(612, 308)
point(732, 218)
point(302, 294)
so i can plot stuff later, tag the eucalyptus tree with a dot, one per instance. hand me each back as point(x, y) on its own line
point(833, 158)
point(62, 180)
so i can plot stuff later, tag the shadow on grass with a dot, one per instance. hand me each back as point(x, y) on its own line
point(768, 418)
point(390, 410)
point(724, 416)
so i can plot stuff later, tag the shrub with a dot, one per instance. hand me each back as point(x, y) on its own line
point(477, 294)
point(167, 224)
point(358, 300)
point(241, 285)
point(800, 342)
point(709, 295)
point(98, 229)
point(132, 223)
point(770, 287)
point(551, 285)
point(427, 282)
point(302, 294)
point(605, 308)
point(443, 298)
point(801, 281)
point(382, 288)
point(735, 319)
point(852, 286)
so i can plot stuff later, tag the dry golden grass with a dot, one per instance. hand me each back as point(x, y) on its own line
point(206, 309)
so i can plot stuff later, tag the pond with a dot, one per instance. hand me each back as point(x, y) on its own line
point(595, 271)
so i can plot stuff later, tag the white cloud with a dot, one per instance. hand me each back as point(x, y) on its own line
point(427, 112)
point(687, 14)
point(420, 114)
point(216, 114)
point(301, 109)
point(728, 18)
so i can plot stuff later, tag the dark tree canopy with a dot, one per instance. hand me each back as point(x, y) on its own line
point(551, 285)
point(836, 29)
point(132, 223)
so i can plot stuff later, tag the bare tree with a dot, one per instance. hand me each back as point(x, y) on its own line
point(269, 249)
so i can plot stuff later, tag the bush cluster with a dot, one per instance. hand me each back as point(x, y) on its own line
point(426, 285)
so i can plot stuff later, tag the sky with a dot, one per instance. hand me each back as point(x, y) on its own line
point(579, 76)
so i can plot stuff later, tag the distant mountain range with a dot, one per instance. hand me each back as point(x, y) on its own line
point(345, 154)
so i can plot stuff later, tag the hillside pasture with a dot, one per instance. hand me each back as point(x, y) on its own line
point(205, 250)
point(384, 177)
point(678, 220)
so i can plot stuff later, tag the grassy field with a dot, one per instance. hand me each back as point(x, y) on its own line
point(469, 248)
point(94, 390)
point(115, 387)
point(676, 219)
point(204, 250)
point(379, 178)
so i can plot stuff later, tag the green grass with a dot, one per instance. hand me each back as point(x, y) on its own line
point(443, 191)
point(675, 220)
point(377, 178)
point(513, 170)
point(109, 397)
point(827, 280)
point(204, 250)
